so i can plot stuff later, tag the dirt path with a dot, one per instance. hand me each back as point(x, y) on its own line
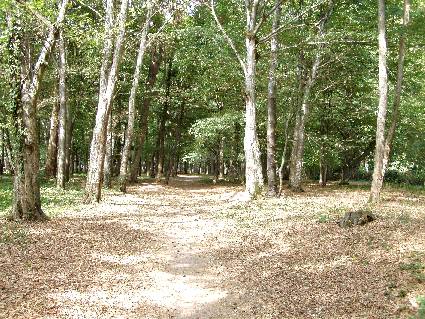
point(190, 250)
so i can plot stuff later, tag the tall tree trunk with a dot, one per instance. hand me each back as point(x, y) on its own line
point(397, 94)
point(107, 174)
point(27, 203)
point(271, 109)
point(285, 151)
point(163, 120)
point(144, 114)
point(108, 80)
point(3, 147)
point(52, 147)
point(221, 159)
point(297, 154)
point(61, 154)
point(378, 176)
point(253, 170)
point(131, 106)
point(68, 144)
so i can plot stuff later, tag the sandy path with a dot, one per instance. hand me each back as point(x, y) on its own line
point(141, 255)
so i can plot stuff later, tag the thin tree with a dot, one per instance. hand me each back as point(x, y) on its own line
point(132, 101)
point(108, 79)
point(62, 131)
point(271, 106)
point(383, 144)
point(378, 177)
point(297, 154)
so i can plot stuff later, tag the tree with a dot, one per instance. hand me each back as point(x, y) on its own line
point(27, 202)
point(383, 148)
point(131, 102)
point(63, 111)
point(254, 20)
point(297, 154)
point(378, 176)
point(108, 78)
point(271, 109)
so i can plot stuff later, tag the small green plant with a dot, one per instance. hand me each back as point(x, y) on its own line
point(412, 266)
point(421, 310)
point(324, 218)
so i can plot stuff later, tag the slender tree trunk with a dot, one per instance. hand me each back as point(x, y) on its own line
point(398, 88)
point(323, 168)
point(107, 174)
point(131, 107)
point(68, 144)
point(61, 154)
point(108, 80)
point(163, 120)
point(153, 72)
point(284, 153)
point(2, 159)
point(52, 147)
point(221, 159)
point(378, 177)
point(297, 153)
point(271, 109)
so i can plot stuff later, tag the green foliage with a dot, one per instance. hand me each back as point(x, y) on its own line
point(54, 200)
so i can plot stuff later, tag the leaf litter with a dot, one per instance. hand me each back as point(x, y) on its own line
point(190, 250)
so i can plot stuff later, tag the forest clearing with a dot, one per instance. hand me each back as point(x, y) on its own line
point(193, 250)
point(212, 159)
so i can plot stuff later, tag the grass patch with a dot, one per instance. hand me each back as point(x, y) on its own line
point(53, 200)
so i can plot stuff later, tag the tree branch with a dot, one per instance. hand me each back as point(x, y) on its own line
point(226, 36)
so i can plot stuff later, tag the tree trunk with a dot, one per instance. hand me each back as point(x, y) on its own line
point(27, 202)
point(61, 155)
point(108, 80)
point(221, 159)
point(131, 106)
point(52, 147)
point(323, 168)
point(253, 171)
point(285, 151)
point(297, 153)
point(398, 89)
point(271, 109)
point(378, 176)
point(163, 120)
point(2, 159)
point(153, 72)
point(107, 174)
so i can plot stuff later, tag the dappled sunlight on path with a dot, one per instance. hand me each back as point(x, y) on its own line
point(191, 250)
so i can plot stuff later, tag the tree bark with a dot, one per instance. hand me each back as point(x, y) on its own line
point(52, 147)
point(253, 171)
point(27, 203)
point(144, 114)
point(107, 173)
point(378, 177)
point(399, 84)
point(131, 106)
point(108, 80)
point(297, 154)
point(271, 109)
point(61, 154)
point(163, 120)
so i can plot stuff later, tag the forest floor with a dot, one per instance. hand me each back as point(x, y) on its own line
point(193, 250)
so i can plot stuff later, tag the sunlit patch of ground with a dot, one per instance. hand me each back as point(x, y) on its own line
point(193, 250)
